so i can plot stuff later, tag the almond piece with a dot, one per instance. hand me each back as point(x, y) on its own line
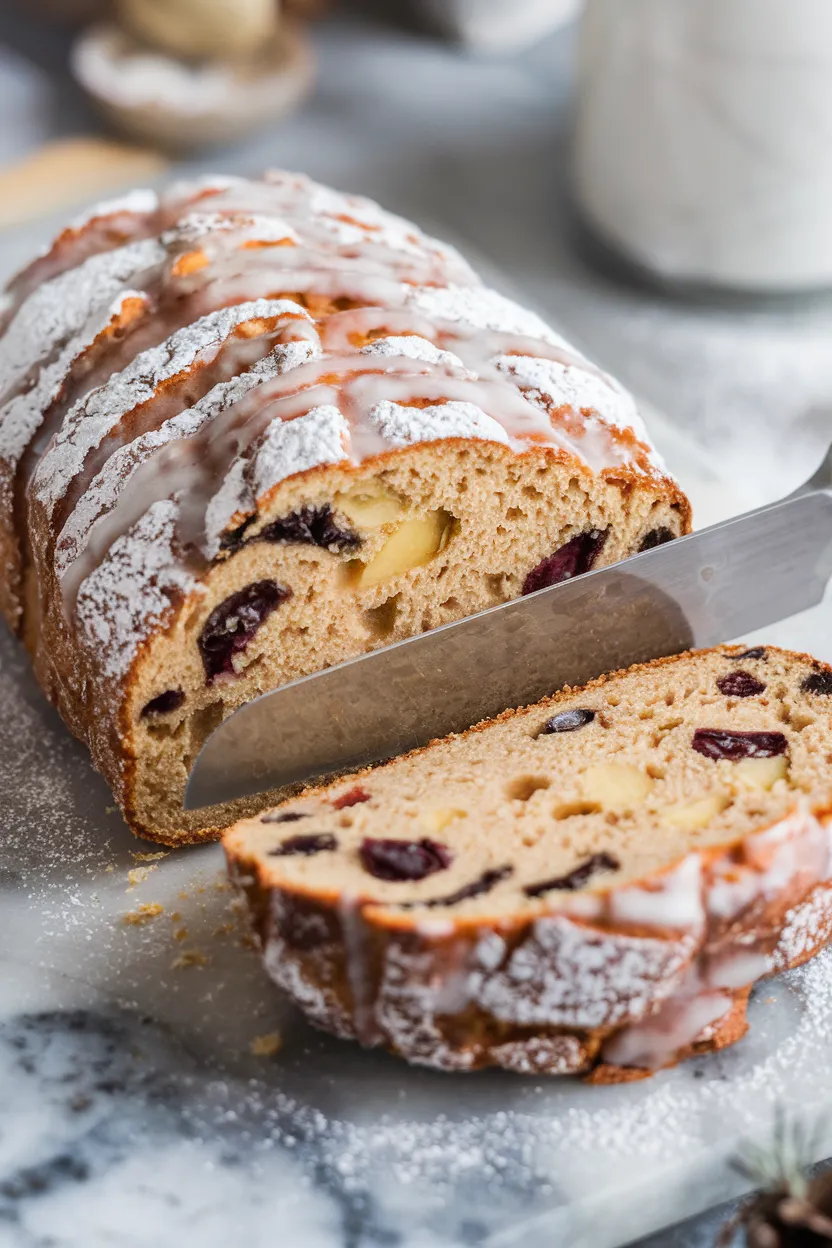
point(616, 786)
point(413, 544)
point(690, 815)
point(760, 773)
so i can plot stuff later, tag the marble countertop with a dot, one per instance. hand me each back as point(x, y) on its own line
point(140, 1100)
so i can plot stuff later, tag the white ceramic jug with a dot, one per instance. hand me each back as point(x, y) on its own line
point(703, 142)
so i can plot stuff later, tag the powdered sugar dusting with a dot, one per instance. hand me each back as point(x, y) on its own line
point(23, 415)
point(292, 446)
point(482, 308)
point(61, 307)
point(99, 412)
point(405, 426)
point(412, 347)
point(129, 595)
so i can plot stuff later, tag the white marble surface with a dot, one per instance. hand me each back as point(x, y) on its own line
point(132, 1110)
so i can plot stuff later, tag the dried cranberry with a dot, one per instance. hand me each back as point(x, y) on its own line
point(577, 878)
point(353, 797)
point(740, 685)
point(756, 652)
point(389, 859)
point(568, 721)
point(656, 537)
point(717, 743)
point(164, 703)
point(288, 816)
point(476, 888)
point(231, 626)
point(312, 843)
point(818, 682)
point(313, 526)
point(573, 559)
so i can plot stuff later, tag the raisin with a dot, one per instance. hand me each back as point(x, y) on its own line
point(231, 625)
point(476, 888)
point(313, 526)
point(312, 843)
point(572, 559)
point(289, 816)
point(389, 859)
point(717, 743)
point(818, 682)
point(656, 537)
point(164, 703)
point(353, 797)
point(234, 539)
point(740, 685)
point(756, 652)
point(568, 721)
point(577, 878)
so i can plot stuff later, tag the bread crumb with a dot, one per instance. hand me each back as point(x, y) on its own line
point(182, 895)
point(149, 857)
point(181, 933)
point(267, 1045)
point(225, 929)
point(189, 957)
point(110, 810)
point(108, 870)
point(138, 875)
point(142, 914)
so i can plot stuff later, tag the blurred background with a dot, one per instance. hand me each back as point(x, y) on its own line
point(652, 175)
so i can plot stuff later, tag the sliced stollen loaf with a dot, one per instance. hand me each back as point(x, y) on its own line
point(252, 429)
point(588, 885)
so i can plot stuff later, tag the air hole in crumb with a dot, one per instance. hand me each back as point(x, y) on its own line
point(569, 809)
point(381, 620)
point(613, 700)
point(524, 787)
point(655, 771)
point(647, 713)
point(611, 818)
point(450, 604)
point(494, 582)
point(670, 697)
point(514, 513)
point(532, 491)
point(345, 821)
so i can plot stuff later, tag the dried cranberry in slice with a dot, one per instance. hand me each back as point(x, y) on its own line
point(717, 743)
point(656, 537)
point(288, 816)
point(572, 559)
point(577, 878)
point(818, 682)
point(740, 685)
point(164, 703)
point(756, 652)
point(353, 797)
point(313, 526)
point(568, 721)
point(312, 843)
point(231, 625)
point(389, 859)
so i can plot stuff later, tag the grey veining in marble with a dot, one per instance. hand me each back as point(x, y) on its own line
point(132, 1109)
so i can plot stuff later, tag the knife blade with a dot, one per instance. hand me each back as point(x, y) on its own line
point(696, 591)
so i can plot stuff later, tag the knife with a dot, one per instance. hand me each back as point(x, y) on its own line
point(696, 591)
